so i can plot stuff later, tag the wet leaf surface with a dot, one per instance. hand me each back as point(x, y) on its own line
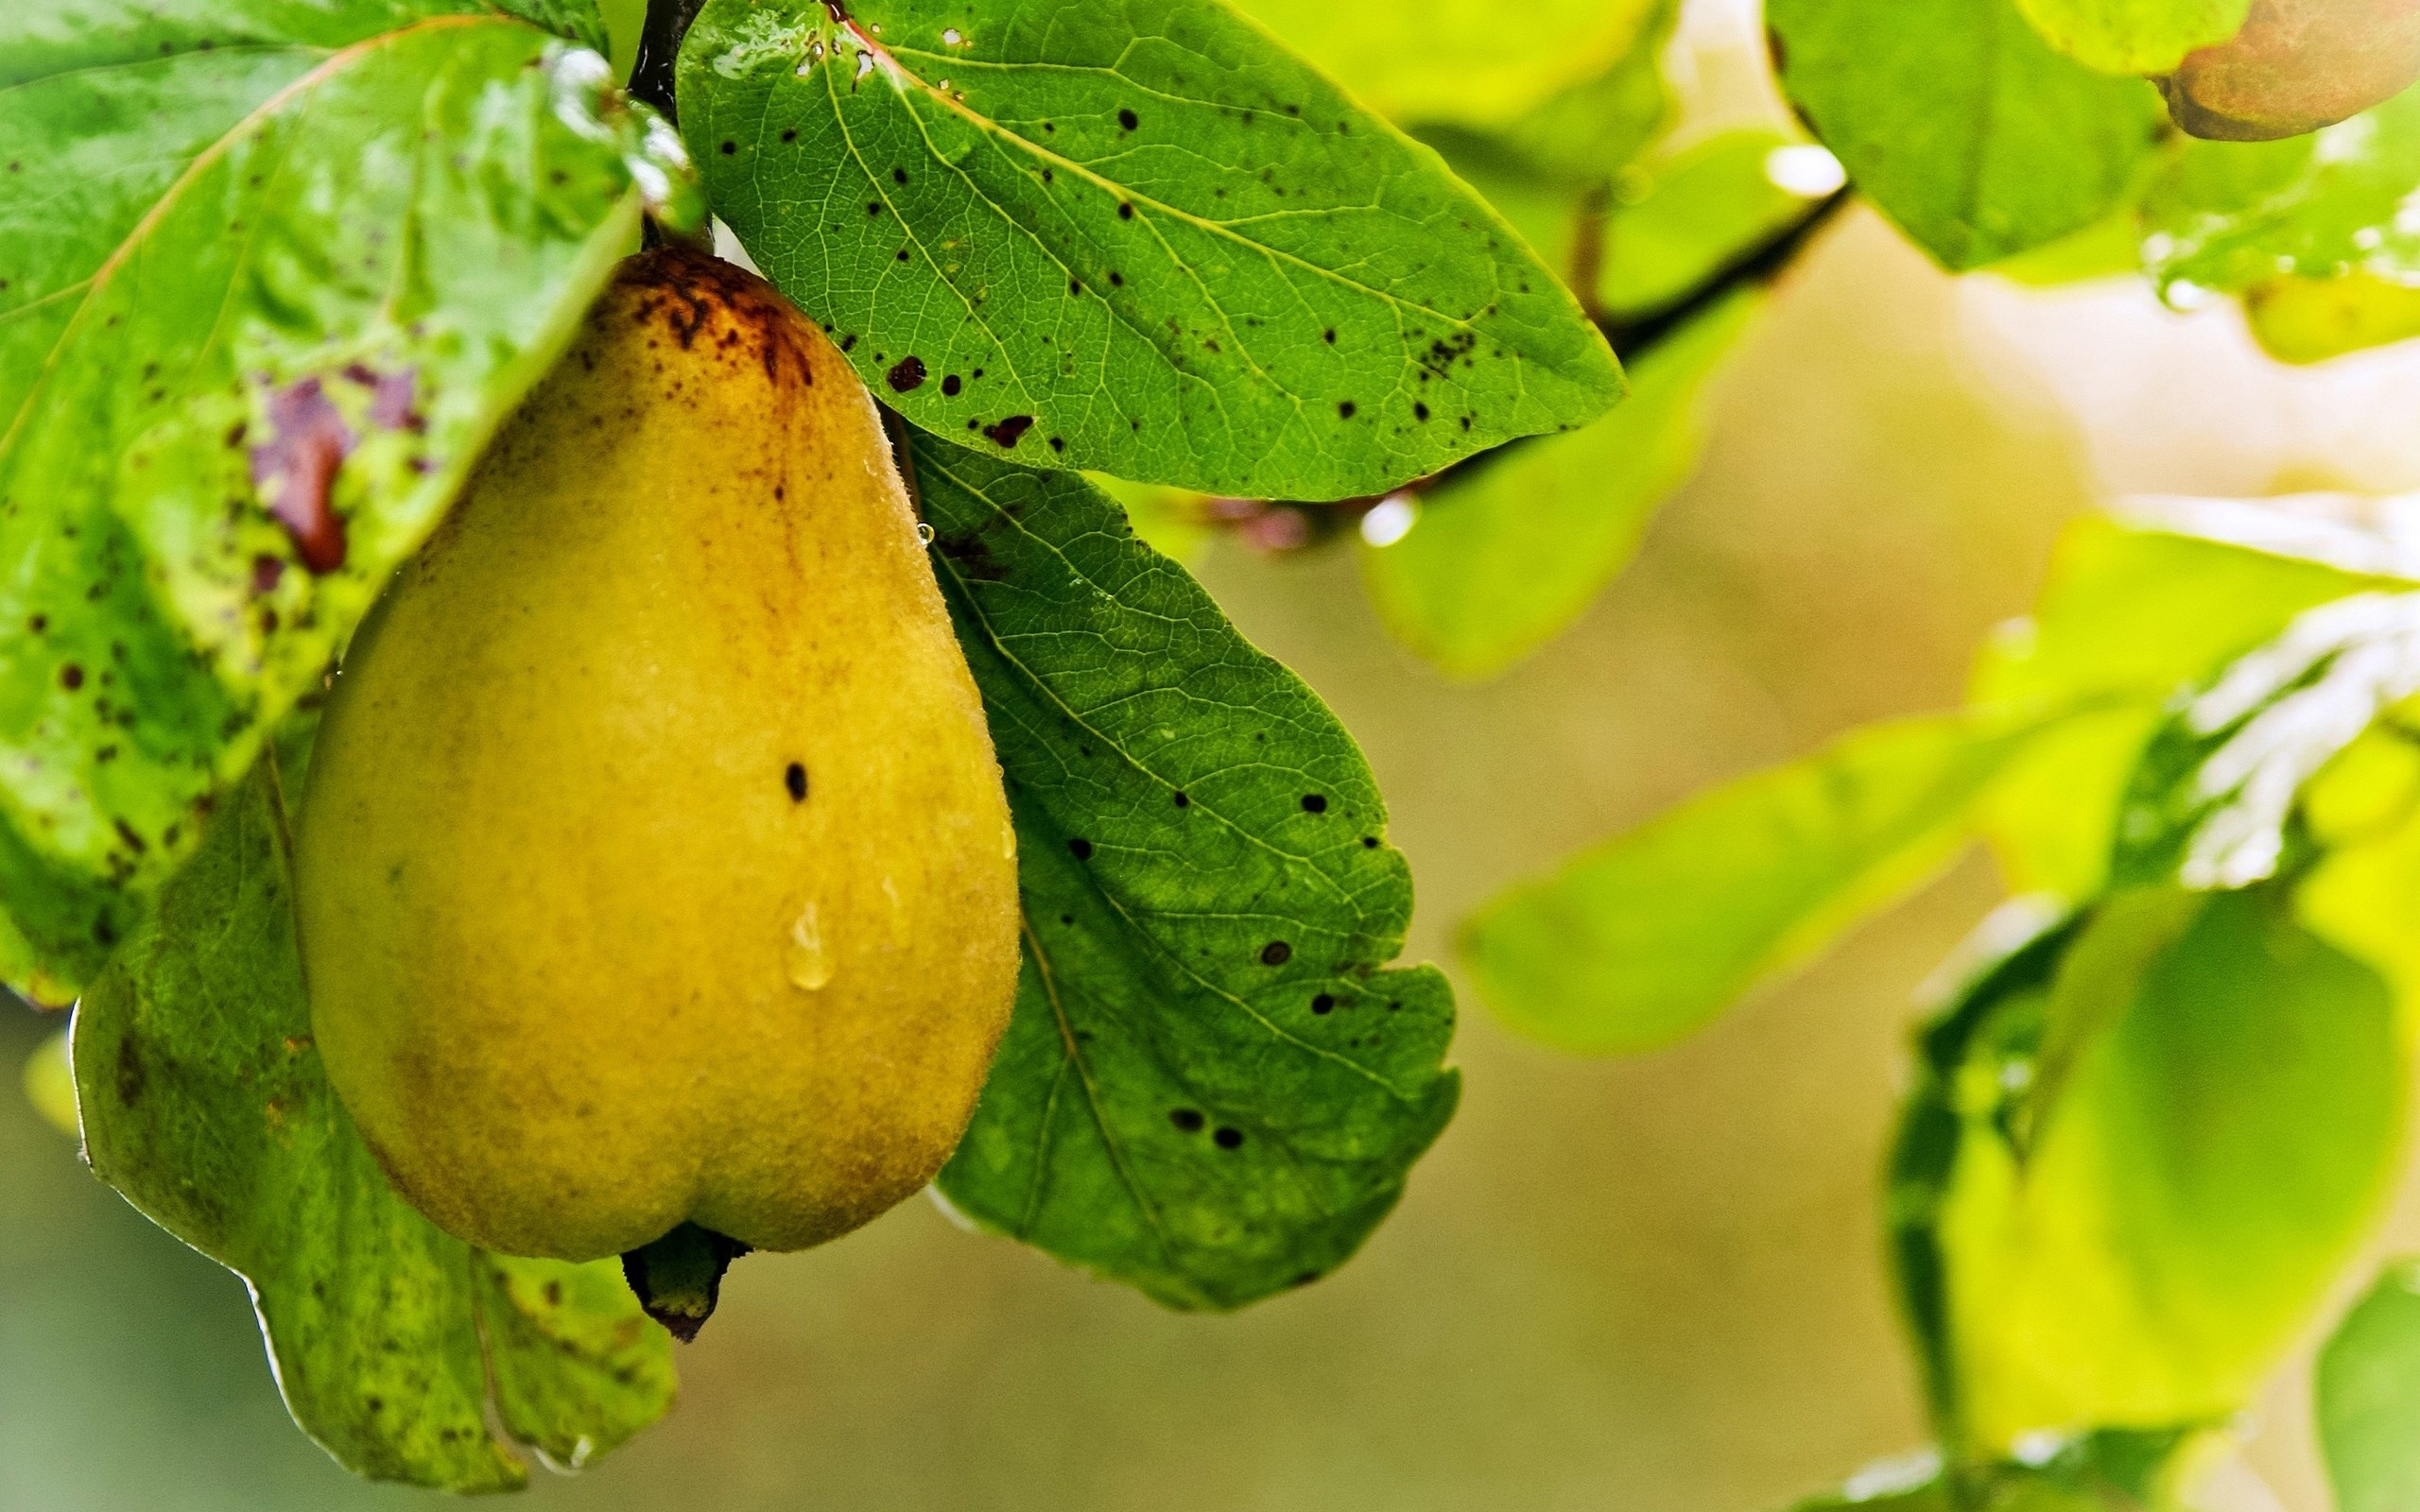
point(1959, 123)
point(269, 274)
point(1214, 1086)
point(1140, 239)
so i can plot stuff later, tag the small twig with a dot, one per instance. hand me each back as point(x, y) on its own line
point(1758, 266)
point(1632, 339)
point(667, 23)
point(1588, 249)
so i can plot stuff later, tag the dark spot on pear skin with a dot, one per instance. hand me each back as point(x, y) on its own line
point(795, 779)
point(685, 291)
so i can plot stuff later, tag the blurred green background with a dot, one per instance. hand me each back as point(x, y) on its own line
point(1652, 1285)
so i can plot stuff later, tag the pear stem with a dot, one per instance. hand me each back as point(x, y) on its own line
point(677, 1278)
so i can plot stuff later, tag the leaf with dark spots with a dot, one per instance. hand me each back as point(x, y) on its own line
point(905, 376)
point(1112, 686)
point(204, 363)
point(1006, 434)
point(204, 1104)
point(391, 402)
point(129, 1078)
point(1138, 140)
point(296, 470)
point(969, 556)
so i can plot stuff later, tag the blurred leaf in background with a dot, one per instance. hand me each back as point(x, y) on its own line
point(1469, 62)
point(50, 1083)
point(2313, 231)
point(2107, 1470)
point(2368, 1396)
point(1680, 218)
point(1960, 122)
point(1503, 555)
point(2311, 320)
point(2212, 797)
point(2136, 607)
point(2153, 1170)
point(1642, 940)
point(2134, 36)
point(1500, 556)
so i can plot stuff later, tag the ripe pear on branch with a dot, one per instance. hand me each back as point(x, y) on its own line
point(655, 874)
point(2295, 66)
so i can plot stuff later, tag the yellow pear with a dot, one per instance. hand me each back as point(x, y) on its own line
point(654, 864)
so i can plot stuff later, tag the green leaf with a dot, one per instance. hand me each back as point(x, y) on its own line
point(1544, 209)
point(1642, 940)
point(574, 1368)
point(2048, 818)
point(1584, 132)
point(2111, 247)
point(1211, 1088)
point(2211, 800)
point(2230, 216)
point(2311, 320)
point(1959, 123)
point(1460, 60)
point(2142, 1251)
point(2143, 603)
point(1506, 552)
point(204, 1103)
point(2134, 611)
point(2363, 815)
point(2134, 36)
point(2368, 1395)
point(273, 274)
point(1141, 239)
point(1692, 214)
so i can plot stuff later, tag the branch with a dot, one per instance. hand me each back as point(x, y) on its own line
point(1758, 265)
point(1287, 525)
point(667, 22)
